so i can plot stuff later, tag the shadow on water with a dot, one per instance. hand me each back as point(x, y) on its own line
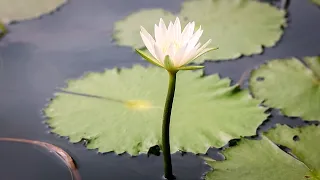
point(37, 56)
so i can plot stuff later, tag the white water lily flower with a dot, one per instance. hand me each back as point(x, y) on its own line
point(173, 49)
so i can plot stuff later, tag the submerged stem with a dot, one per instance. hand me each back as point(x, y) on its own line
point(64, 156)
point(166, 127)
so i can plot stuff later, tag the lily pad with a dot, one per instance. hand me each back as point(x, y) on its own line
point(240, 27)
point(3, 30)
point(317, 2)
point(207, 111)
point(289, 85)
point(17, 10)
point(127, 31)
point(263, 160)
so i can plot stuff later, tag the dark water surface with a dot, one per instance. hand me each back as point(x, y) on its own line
point(39, 55)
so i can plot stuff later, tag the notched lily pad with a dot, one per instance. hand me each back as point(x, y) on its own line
point(317, 2)
point(263, 160)
point(3, 29)
point(240, 27)
point(289, 85)
point(127, 31)
point(127, 117)
point(17, 10)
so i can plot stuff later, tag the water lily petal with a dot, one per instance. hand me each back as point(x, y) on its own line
point(169, 35)
point(189, 56)
point(191, 45)
point(171, 51)
point(177, 30)
point(178, 57)
point(204, 51)
point(203, 46)
point(170, 43)
point(147, 39)
point(147, 35)
point(187, 32)
point(197, 46)
point(159, 35)
point(159, 54)
point(195, 38)
point(149, 44)
point(162, 26)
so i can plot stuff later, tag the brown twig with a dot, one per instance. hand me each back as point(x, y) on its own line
point(64, 156)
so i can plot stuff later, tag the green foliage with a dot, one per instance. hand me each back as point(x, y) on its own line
point(3, 30)
point(263, 160)
point(240, 27)
point(317, 2)
point(289, 85)
point(207, 111)
point(17, 10)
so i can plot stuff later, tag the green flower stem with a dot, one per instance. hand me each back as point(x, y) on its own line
point(166, 127)
point(284, 4)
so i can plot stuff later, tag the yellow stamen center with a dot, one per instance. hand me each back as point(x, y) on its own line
point(138, 104)
point(176, 46)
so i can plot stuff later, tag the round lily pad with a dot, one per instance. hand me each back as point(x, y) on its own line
point(127, 31)
point(263, 160)
point(317, 2)
point(124, 111)
point(289, 85)
point(17, 10)
point(3, 30)
point(240, 27)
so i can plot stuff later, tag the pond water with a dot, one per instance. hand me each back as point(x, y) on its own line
point(39, 55)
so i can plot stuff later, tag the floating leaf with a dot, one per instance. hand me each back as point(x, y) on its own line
point(317, 2)
point(127, 31)
point(303, 143)
point(287, 84)
point(263, 160)
point(206, 111)
point(3, 30)
point(238, 27)
point(17, 10)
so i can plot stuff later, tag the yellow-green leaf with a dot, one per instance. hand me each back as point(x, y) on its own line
point(17, 10)
point(263, 160)
point(207, 111)
point(289, 85)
